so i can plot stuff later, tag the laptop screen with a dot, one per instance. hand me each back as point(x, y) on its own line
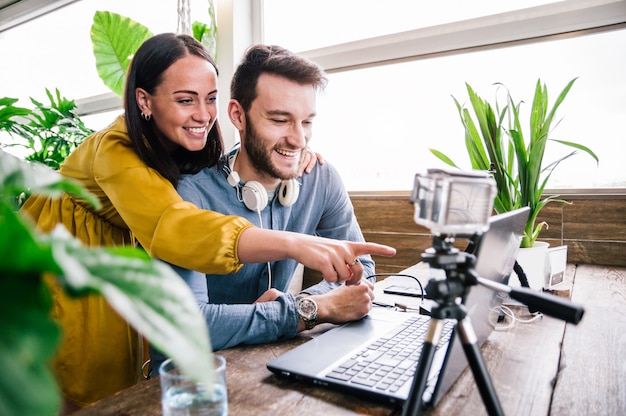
point(496, 253)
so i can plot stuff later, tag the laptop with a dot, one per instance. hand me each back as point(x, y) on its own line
point(340, 358)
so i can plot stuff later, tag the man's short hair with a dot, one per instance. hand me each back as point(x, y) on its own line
point(272, 59)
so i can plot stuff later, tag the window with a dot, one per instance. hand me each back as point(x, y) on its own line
point(376, 124)
point(389, 98)
point(15, 12)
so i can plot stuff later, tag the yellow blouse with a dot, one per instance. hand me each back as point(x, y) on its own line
point(101, 354)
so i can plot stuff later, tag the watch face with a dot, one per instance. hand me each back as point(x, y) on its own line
point(307, 308)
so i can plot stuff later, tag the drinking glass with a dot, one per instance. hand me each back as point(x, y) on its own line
point(182, 396)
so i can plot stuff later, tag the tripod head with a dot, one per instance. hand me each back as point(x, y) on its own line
point(459, 268)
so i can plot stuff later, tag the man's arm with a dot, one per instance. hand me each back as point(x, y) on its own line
point(234, 324)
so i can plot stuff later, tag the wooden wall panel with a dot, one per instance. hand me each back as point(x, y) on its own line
point(606, 253)
point(386, 214)
point(593, 227)
point(595, 220)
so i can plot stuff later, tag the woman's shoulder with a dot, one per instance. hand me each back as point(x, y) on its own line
point(115, 132)
point(113, 141)
point(105, 152)
point(207, 175)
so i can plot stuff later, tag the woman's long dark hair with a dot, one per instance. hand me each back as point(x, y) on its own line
point(146, 70)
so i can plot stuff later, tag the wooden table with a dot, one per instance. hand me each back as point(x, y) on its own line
point(546, 367)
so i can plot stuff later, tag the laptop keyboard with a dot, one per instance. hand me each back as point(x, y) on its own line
point(389, 362)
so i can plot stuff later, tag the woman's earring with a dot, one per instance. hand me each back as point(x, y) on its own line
point(145, 116)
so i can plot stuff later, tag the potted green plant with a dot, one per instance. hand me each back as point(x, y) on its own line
point(497, 142)
point(146, 292)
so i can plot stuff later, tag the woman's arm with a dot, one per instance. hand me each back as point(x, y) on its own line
point(333, 258)
point(178, 232)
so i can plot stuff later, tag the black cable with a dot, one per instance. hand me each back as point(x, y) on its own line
point(401, 275)
point(523, 280)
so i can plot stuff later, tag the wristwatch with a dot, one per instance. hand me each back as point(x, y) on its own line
point(307, 309)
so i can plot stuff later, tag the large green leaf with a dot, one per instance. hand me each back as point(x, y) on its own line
point(147, 293)
point(115, 40)
point(21, 252)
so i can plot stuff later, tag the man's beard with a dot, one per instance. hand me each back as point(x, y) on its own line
point(261, 158)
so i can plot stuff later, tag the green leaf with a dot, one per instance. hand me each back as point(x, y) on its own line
point(17, 176)
point(206, 33)
point(443, 157)
point(20, 251)
point(51, 132)
point(11, 117)
point(28, 340)
point(147, 293)
point(9, 112)
point(579, 147)
point(115, 40)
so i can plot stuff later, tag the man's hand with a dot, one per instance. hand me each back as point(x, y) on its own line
point(269, 296)
point(335, 259)
point(345, 303)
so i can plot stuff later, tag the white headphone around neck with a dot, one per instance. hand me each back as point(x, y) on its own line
point(254, 195)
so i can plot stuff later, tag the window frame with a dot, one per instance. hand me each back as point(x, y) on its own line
point(535, 24)
point(22, 11)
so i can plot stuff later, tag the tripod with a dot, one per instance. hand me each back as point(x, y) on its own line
point(460, 276)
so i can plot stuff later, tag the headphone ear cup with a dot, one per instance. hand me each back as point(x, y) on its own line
point(288, 192)
point(254, 196)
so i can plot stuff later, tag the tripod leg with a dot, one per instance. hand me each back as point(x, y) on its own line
point(477, 365)
point(413, 403)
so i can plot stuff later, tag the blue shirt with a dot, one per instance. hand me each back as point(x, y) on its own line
point(323, 208)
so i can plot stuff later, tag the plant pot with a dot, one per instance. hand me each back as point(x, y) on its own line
point(536, 265)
